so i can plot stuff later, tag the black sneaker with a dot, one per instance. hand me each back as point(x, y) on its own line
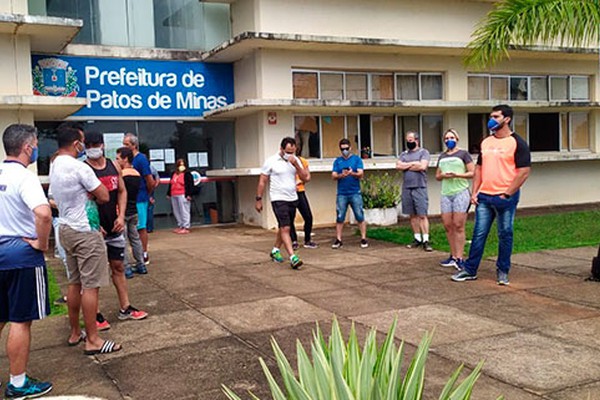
point(414, 245)
point(364, 243)
point(337, 244)
point(427, 246)
point(295, 245)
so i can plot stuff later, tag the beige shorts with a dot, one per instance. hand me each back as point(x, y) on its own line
point(86, 257)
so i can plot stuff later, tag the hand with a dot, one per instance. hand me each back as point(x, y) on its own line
point(119, 225)
point(474, 200)
point(188, 198)
point(292, 159)
point(152, 200)
point(346, 173)
point(102, 231)
point(450, 175)
point(36, 244)
point(258, 206)
point(168, 197)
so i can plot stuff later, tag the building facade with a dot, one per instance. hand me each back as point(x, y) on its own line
point(317, 70)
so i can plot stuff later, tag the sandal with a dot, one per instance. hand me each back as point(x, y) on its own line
point(82, 338)
point(107, 347)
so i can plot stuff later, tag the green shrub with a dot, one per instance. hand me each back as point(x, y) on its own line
point(342, 371)
point(380, 191)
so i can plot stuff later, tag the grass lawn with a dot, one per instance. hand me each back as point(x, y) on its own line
point(532, 233)
point(54, 293)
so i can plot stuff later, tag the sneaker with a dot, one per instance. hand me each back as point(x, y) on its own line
point(427, 247)
point(61, 301)
point(460, 264)
point(128, 273)
point(146, 259)
point(337, 244)
point(276, 256)
point(132, 313)
point(32, 388)
point(141, 269)
point(462, 276)
point(449, 262)
point(310, 245)
point(101, 323)
point(295, 245)
point(502, 278)
point(295, 262)
point(364, 243)
point(414, 245)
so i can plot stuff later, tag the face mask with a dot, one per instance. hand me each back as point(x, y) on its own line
point(81, 153)
point(494, 125)
point(450, 143)
point(94, 153)
point(181, 168)
point(346, 152)
point(286, 156)
point(411, 145)
point(34, 155)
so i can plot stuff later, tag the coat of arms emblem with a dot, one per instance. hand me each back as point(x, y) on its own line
point(54, 77)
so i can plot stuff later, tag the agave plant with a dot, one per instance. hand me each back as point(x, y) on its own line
point(342, 371)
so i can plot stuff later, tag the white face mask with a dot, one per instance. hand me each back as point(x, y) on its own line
point(94, 153)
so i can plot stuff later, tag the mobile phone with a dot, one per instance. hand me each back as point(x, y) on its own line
point(346, 169)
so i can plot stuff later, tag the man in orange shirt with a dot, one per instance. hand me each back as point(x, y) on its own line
point(502, 168)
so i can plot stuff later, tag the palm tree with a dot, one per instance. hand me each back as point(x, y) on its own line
point(513, 24)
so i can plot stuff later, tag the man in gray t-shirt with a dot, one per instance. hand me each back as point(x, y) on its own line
point(414, 163)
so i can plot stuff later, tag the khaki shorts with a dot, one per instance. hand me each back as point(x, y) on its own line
point(86, 257)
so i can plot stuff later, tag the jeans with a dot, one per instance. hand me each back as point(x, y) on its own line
point(488, 209)
point(306, 213)
point(150, 218)
point(355, 201)
point(131, 233)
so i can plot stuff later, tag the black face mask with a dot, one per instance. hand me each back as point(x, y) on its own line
point(411, 145)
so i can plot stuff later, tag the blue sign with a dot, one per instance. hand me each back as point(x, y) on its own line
point(135, 88)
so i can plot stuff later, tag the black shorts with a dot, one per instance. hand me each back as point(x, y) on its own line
point(24, 294)
point(115, 247)
point(285, 211)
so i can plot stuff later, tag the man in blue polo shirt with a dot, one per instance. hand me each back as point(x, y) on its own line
point(25, 223)
point(348, 170)
point(147, 185)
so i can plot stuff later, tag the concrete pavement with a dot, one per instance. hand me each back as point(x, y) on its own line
point(215, 299)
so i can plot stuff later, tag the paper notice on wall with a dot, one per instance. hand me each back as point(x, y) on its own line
point(159, 165)
point(112, 142)
point(203, 159)
point(169, 156)
point(157, 154)
point(192, 160)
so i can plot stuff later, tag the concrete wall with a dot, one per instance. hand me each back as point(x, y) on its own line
point(16, 64)
point(13, 6)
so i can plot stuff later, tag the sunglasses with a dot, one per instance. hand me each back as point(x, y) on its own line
point(344, 148)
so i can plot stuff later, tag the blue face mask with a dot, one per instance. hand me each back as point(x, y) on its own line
point(82, 152)
point(494, 125)
point(34, 155)
point(450, 143)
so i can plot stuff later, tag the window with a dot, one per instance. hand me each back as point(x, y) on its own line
point(477, 127)
point(384, 137)
point(559, 88)
point(356, 86)
point(431, 87)
point(479, 87)
point(308, 136)
point(499, 88)
point(382, 87)
point(333, 131)
point(518, 88)
point(407, 87)
point(305, 85)
point(406, 123)
point(580, 134)
point(520, 125)
point(431, 132)
point(580, 88)
point(539, 88)
point(332, 86)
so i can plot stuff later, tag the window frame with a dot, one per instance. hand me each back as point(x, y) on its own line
point(570, 126)
point(570, 88)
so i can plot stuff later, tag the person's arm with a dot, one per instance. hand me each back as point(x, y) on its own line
point(476, 184)
point(119, 225)
point(188, 182)
point(100, 194)
point(43, 224)
point(439, 175)
point(419, 165)
point(359, 174)
point(469, 173)
point(402, 166)
point(150, 184)
point(522, 175)
point(262, 183)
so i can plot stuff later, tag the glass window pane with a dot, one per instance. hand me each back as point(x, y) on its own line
point(352, 130)
point(305, 85)
point(580, 88)
point(333, 131)
point(87, 10)
point(431, 132)
point(406, 123)
point(558, 88)
point(580, 134)
point(518, 88)
point(356, 87)
point(307, 136)
point(384, 138)
point(564, 131)
point(539, 88)
point(479, 88)
point(431, 87)
point(178, 24)
point(332, 86)
point(477, 127)
point(499, 88)
point(407, 87)
point(520, 125)
point(382, 87)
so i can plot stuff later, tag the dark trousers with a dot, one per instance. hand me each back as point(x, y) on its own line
point(304, 209)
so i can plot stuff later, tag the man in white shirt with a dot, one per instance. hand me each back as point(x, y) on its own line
point(76, 189)
point(280, 171)
point(25, 223)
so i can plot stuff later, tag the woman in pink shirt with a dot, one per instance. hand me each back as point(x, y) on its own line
point(180, 192)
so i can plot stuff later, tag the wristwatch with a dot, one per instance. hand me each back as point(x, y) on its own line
point(506, 195)
point(258, 198)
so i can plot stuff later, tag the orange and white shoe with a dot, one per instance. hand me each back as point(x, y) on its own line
point(132, 313)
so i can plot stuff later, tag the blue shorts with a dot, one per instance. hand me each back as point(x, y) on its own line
point(24, 294)
point(341, 207)
point(142, 211)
